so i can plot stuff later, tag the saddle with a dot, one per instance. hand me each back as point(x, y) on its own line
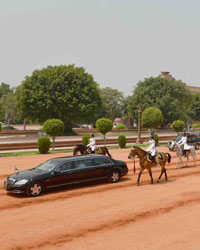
point(159, 156)
point(96, 151)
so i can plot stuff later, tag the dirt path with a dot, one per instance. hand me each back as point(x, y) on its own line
point(105, 216)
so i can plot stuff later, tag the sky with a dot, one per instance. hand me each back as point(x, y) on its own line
point(119, 42)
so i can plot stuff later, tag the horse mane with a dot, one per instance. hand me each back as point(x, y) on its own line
point(139, 148)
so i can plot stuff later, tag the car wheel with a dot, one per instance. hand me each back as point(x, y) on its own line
point(197, 146)
point(114, 176)
point(34, 189)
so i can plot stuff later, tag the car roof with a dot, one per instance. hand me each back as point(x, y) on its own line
point(77, 157)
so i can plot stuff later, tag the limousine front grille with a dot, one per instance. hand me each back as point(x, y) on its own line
point(10, 181)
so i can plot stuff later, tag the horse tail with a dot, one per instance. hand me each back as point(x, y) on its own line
point(169, 157)
point(108, 152)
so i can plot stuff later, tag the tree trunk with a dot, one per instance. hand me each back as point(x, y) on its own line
point(104, 137)
point(24, 124)
point(53, 143)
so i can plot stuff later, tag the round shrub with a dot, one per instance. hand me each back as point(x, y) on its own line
point(85, 140)
point(43, 145)
point(178, 126)
point(155, 137)
point(122, 141)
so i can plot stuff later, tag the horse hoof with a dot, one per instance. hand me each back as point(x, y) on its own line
point(151, 182)
point(158, 181)
point(137, 184)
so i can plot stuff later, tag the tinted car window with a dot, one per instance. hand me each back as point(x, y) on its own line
point(46, 166)
point(64, 167)
point(83, 163)
point(101, 161)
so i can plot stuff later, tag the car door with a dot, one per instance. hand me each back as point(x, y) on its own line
point(61, 175)
point(85, 170)
point(103, 166)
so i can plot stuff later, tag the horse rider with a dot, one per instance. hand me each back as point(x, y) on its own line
point(183, 141)
point(152, 149)
point(92, 143)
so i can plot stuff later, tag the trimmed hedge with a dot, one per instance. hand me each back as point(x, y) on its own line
point(155, 137)
point(122, 141)
point(43, 145)
point(85, 140)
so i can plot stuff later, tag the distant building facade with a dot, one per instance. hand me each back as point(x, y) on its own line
point(192, 89)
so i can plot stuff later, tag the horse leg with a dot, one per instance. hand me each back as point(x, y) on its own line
point(138, 180)
point(162, 171)
point(193, 153)
point(187, 160)
point(150, 173)
point(179, 158)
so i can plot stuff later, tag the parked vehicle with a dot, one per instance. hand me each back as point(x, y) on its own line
point(63, 171)
point(193, 139)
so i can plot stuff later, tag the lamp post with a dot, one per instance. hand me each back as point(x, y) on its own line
point(139, 140)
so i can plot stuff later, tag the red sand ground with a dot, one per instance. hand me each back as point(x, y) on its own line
point(105, 216)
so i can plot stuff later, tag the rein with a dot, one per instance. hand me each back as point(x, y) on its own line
point(134, 166)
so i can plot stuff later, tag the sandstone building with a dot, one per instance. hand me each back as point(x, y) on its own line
point(193, 89)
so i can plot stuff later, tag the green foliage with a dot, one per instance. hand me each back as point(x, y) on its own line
point(103, 126)
point(178, 126)
point(64, 92)
point(8, 109)
point(196, 125)
point(114, 103)
point(171, 97)
point(122, 141)
point(151, 118)
point(85, 140)
point(156, 138)
point(120, 126)
point(195, 107)
point(0, 127)
point(43, 145)
point(53, 127)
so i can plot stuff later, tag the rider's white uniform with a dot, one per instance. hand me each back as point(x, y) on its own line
point(183, 141)
point(152, 147)
point(92, 143)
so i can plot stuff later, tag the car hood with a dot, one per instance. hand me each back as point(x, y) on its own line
point(29, 174)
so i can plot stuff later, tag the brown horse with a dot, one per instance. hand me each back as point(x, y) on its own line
point(85, 150)
point(145, 163)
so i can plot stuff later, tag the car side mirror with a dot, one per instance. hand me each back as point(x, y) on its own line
point(55, 172)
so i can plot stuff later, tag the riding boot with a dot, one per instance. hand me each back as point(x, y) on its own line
point(154, 160)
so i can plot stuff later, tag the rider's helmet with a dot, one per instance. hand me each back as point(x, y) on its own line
point(92, 135)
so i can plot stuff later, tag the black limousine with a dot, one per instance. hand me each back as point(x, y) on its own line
point(62, 171)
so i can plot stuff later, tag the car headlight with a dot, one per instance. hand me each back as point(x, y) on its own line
point(21, 182)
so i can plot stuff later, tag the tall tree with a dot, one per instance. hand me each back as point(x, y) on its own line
point(195, 107)
point(114, 103)
point(63, 92)
point(171, 97)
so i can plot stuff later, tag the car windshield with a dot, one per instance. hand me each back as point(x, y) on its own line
point(178, 138)
point(47, 165)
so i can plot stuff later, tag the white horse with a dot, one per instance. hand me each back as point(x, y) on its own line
point(177, 147)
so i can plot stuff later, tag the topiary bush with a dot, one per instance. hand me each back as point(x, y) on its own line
point(122, 141)
point(43, 145)
point(178, 125)
point(155, 137)
point(85, 140)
